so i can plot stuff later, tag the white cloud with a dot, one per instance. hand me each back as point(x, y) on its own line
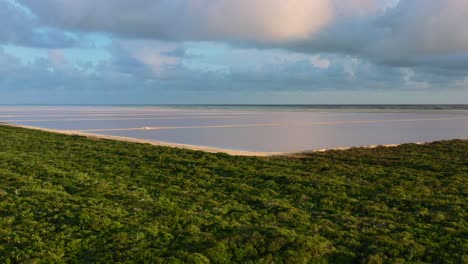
point(152, 54)
point(261, 20)
point(319, 62)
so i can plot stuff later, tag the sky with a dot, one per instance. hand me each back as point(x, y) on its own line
point(234, 52)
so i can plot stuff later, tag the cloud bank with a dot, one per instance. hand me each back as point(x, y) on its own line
point(265, 21)
point(21, 28)
point(394, 32)
point(221, 45)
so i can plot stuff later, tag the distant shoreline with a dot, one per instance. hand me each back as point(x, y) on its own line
point(436, 107)
point(196, 147)
point(456, 109)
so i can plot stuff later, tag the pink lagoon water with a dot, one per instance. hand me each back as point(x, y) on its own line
point(267, 129)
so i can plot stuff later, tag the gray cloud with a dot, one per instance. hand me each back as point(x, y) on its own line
point(422, 27)
point(258, 21)
point(356, 45)
point(18, 27)
point(415, 33)
point(126, 78)
point(126, 71)
point(402, 34)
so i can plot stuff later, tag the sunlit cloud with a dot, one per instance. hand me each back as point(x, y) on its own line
point(221, 46)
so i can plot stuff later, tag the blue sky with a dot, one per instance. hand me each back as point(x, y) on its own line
point(226, 51)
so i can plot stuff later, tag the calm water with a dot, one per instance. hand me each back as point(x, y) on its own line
point(256, 128)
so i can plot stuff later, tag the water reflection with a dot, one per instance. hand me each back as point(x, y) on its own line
point(256, 130)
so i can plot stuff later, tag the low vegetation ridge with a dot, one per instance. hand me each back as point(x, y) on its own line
point(81, 200)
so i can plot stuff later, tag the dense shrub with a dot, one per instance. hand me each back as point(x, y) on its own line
point(73, 199)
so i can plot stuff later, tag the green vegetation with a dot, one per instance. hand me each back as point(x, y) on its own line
point(81, 200)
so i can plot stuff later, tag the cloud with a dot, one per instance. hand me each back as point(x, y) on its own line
point(426, 27)
point(127, 77)
point(413, 33)
point(244, 45)
point(21, 28)
point(261, 21)
point(319, 62)
point(398, 33)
